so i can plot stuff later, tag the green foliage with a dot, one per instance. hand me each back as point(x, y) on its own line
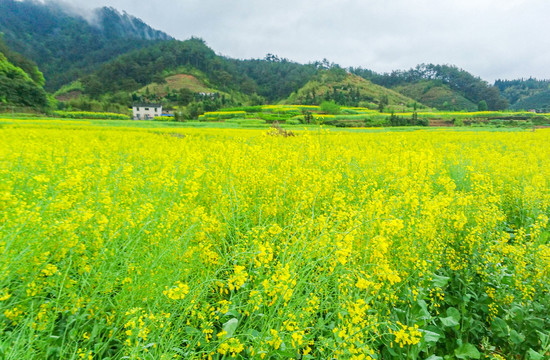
point(526, 94)
point(351, 91)
point(90, 115)
point(330, 107)
point(114, 103)
point(66, 46)
point(17, 88)
point(293, 122)
point(382, 103)
point(472, 88)
point(274, 78)
point(539, 101)
point(482, 106)
point(221, 115)
point(435, 94)
point(21, 62)
point(395, 120)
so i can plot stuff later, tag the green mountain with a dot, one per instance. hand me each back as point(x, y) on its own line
point(464, 84)
point(154, 64)
point(180, 72)
point(336, 84)
point(106, 60)
point(20, 81)
point(276, 78)
point(65, 45)
point(526, 94)
point(437, 95)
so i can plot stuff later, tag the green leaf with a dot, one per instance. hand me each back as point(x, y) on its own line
point(435, 357)
point(449, 321)
point(230, 326)
point(467, 351)
point(535, 323)
point(431, 337)
point(440, 281)
point(422, 312)
point(517, 338)
point(454, 313)
point(499, 327)
point(232, 313)
point(253, 333)
point(533, 355)
point(452, 319)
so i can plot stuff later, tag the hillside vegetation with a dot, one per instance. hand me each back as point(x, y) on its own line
point(109, 60)
point(526, 94)
point(337, 85)
point(65, 45)
point(436, 95)
point(20, 82)
point(468, 86)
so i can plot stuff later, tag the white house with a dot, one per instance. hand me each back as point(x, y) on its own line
point(146, 111)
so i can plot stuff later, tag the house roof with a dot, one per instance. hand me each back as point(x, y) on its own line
point(146, 105)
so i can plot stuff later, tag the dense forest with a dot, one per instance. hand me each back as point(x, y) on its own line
point(64, 45)
point(110, 60)
point(526, 93)
point(21, 83)
point(467, 85)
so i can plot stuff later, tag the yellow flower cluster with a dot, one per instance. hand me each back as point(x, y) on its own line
point(214, 243)
point(406, 335)
point(177, 292)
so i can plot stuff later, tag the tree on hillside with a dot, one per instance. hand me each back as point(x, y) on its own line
point(330, 107)
point(482, 106)
point(384, 101)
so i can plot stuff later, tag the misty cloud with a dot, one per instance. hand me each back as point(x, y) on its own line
point(492, 39)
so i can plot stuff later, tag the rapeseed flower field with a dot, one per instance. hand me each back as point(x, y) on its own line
point(241, 244)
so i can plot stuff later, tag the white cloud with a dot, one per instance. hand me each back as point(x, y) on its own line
point(490, 38)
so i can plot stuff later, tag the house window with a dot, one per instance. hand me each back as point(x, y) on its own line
point(156, 109)
point(146, 109)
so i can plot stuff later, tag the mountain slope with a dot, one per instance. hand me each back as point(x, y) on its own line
point(65, 45)
point(468, 86)
point(276, 78)
point(526, 93)
point(539, 101)
point(436, 95)
point(20, 82)
point(132, 71)
point(347, 89)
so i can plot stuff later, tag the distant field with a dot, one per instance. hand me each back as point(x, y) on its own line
point(252, 124)
point(300, 116)
point(153, 240)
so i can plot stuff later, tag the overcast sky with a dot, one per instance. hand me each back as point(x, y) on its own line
point(489, 38)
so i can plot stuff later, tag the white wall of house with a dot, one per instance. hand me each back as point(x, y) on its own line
point(146, 112)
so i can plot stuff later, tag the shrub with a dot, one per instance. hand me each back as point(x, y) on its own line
point(293, 122)
point(330, 107)
point(90, 115)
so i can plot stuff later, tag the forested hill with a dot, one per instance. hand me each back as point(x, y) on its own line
point(526, 94)
point(65, 45)
point(20, 81)
point(268, 80)
point(466, 86)
point(118, 59)
point(272, 80)
point(337, 85)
